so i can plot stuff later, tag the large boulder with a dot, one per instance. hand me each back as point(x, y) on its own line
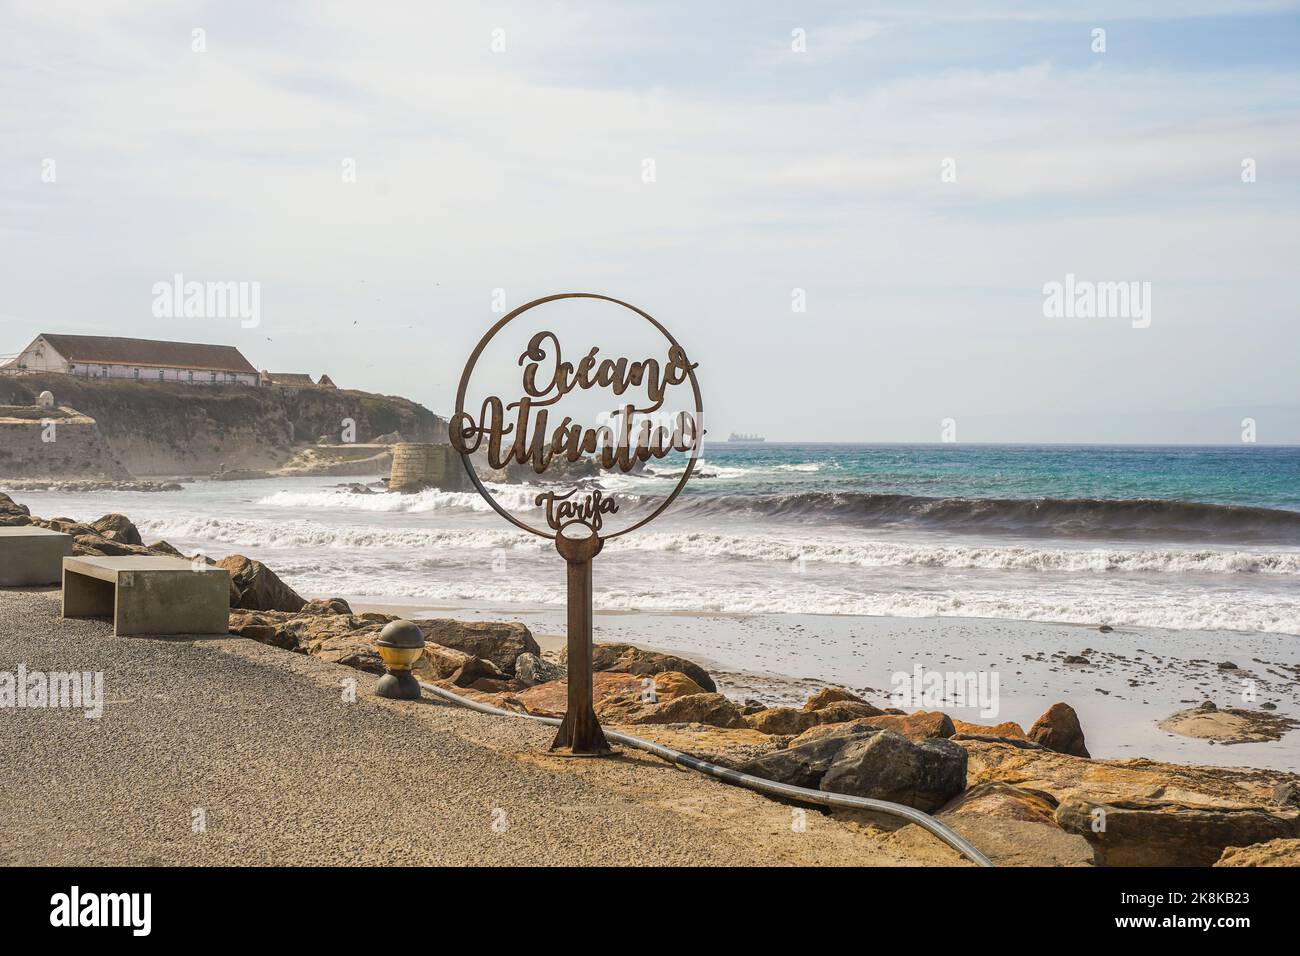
point(260, 628)
point(639, 702)
point(1161, 813)
point(786, 721)
point(802, 766)
point(993, 798)
point(830, 695)
point(311, 631)
point(727, 746)
point(1059, 729)
point(667, 685)
point(552, 698)
point(781, 720)
point(1118, 780)
point(439, 663)
point(256, 587)
point(1008, 843)
point(353, 648)
point(630, 659)
point(1166, 833)
point(350, 651)
point(118, 527)
point(1008, 728)
point(861, 727)
point(886, 765)
point(96, 545)
point(1014, 827)
point(713, 709)
point(837, 712)
point(532, 669)
point(919, 726)
point(1282, 852)
point(66, 526)
point(500, 642)
point(481, 674)
point(922, 725)
point(326, 606)
point(12, 514)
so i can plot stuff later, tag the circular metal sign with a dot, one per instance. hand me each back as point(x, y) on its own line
point(573, 517)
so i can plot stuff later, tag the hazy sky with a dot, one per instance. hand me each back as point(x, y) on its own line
point(524, 169)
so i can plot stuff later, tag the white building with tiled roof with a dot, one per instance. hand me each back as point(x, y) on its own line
point(146, 360)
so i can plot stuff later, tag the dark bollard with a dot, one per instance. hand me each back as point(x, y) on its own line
point(400, 644)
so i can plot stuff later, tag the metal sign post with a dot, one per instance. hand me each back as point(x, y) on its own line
point(580, 731)
point(576, 518)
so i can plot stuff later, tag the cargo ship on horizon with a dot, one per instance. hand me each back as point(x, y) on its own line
point(742, 437)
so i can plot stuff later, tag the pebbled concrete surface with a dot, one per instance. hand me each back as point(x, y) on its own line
point(287, 772)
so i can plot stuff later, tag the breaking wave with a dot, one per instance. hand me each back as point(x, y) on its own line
point(304, 533)
point(881, 554)
point(301, 533)
point(1059, 517)
point(1181, 612)
point(430, 499)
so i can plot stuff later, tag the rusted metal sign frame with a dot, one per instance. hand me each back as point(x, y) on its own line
point(580, 733)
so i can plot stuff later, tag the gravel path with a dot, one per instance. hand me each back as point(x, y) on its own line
point(262, 743)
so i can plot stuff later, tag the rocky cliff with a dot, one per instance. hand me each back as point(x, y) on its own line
point(157, 428)
point(54, 443)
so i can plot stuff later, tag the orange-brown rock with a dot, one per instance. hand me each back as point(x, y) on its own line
point(505, 700)
point(713, 709)
point(500, 642)
point(1059, 729)
point(96, 545)
point(848, 728)
point(1155, 813)
point(829, 695)
point(728, 746)
point(475, 671)
point(439, 663)
point(780, 720)
point(1062, 775)
point(552, 698)
point(1282, 852)
point(628, 706)
point(494, 685)
point(117, 527)
point(671, 684)
point(921, 725)
point(993, 798)
point(256, 587)
point(1166, 833)
point(1008, 728)
point(837, 712)
point(353, 649)
point(630, 659)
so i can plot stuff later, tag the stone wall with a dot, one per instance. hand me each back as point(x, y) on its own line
point(419, 465)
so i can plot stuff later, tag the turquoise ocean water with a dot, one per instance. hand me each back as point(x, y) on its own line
point(1177, 537)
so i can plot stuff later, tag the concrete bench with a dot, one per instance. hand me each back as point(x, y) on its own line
point(32, 556)
point(148, 595)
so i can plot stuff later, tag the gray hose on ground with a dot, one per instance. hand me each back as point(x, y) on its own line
point(726, 774)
